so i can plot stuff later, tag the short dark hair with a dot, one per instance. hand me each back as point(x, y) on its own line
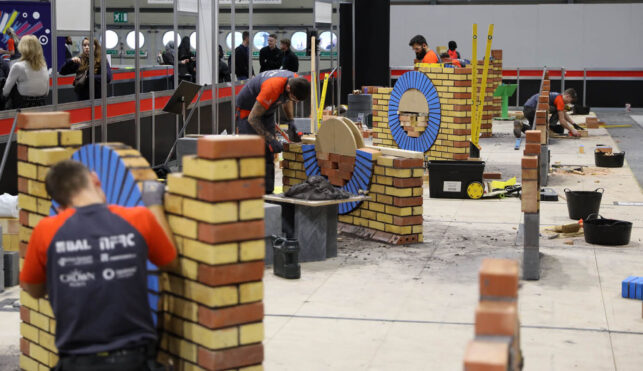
point(274, 36)
point(417, 39)
point(452, 45)
point(65, 179)
point(299, 87)
point(245, 35)
point(286, 42)
point(572, 94)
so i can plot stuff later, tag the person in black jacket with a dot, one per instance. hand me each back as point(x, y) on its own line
point(289, 61)
point(80, 66)
point(224, 70)
point(187, 60)
point(241, 55)
point(270, 56)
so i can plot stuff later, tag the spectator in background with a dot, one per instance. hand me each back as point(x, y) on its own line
point(80, 66)
point(453, 53)
point(289, 61)
point(68, 44)
point(241, 55)
point(270, 56)
point(224, 69)
point(167, 56)
point(4, 68)
point(12, 45)
point(28, 82)
point(187, 61)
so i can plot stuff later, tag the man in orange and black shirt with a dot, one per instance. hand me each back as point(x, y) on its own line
point(257, 103)
point(557, 104)
point(91, 260)
point(422, 52)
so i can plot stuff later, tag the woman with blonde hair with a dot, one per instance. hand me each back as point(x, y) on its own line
point(28, 82)
point(80, 66)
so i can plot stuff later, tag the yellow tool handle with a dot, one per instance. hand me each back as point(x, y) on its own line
point(320, 111)
point(483, 87)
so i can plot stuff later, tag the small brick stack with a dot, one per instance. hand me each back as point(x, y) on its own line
point(493, 105)
point(43, 140)
point(381, 132)
point(213, 309)
point(337, 168)
point(293, 165)
point(496, 346)
point(414, 124)
point(542, 110)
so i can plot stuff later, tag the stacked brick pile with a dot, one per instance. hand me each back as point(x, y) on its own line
point(414, 124)
point(43, 140)
point(497, 328)
point(542, 110)
point(394, 213)
point(493, 105)
point(381, 131)
point(213, 304)
point(337, 168)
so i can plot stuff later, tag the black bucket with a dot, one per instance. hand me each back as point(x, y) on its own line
point(580, 204)
point(609, 160)
point(286, 258)
point(610, 232)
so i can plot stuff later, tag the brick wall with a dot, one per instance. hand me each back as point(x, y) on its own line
point(394, 212)
point(493, 105)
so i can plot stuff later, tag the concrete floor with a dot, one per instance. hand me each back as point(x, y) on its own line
point(379, 307)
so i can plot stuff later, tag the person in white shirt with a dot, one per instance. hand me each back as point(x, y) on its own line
point(28, 82)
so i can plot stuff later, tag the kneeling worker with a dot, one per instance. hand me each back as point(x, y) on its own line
point(557, 104)
point(257, 103)
point(422, 52)
point(91, 259)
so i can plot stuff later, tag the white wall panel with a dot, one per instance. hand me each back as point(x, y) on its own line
point(571, 36)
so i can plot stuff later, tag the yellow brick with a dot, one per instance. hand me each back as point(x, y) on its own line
point(252, 368)
point(38, 320)
point(386, 180)
point(296, 148)
point(249, 292)
point(28, 300)
point(252, 333)
point(399, 192)
point(289, 173)
point(417, 210)
point(251, 209)
point(398, 229)
point(41, 174)
point(38, 138)
point(212, 339)
point(376, 206)
point(24, 234)
point(290, 156)
point(379, 170)
point(377, 188)
point(44, 206)
point(368, 214)
point(253, 167)
point(399, 211)
point(173, 203)
point(417, 191)
point(215, 213)
point(210, 296)
point(360, 222)
point(29, 332)
point(252, 250)
point(180, 347)
point(376, 225)
point(27, 202)
point(71, 138)
point(179, 184)
point(385, 160)
point(37, 189)
point(345, 219)
point(183, 308)
point(384, 218)
point(182, 226)
point(399, 173)
point(210, 169)
point(28, 364)
point(210, 254)
point(418, 173)
point(47, 340)
point(48, 156)
point(384, 199)
point(52, 325)
point(417, 229)
point(34, 219)
point(187, 268)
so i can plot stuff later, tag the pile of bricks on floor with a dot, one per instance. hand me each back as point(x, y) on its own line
point(43, 140)
point(337, 168)
point(394, 212)
point(213, 305)
point(414, 124)
point(497, 328)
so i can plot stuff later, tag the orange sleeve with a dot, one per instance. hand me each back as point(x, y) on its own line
point(160, 249)
point(11, 46)
point(430, 57)
point(559, 103)
point(271, 89)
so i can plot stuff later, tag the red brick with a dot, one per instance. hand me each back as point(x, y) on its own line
point(462, 132)
point(43, 120)
point(407, 163)
point(462, 95)
point(345, 166)
point(323, 156)
point(230, 358)
point(541, 114)
point(24, 214)
point(219, 233)
point(334, 157)
point(530, 162)
point(22, 153)
point(24, 314)
point(463, 70)
point(23, 249)
point(407, 182)
point(407, 201)
point(494, 175)
point(217, 318)
point(22, 185)
point(498, 318)
point(232, 190)
point(346, 160)
point(408, 220)
point(460, 156)
point(532, 149)
point(219, 275)
point(230, 146)
point(329, 172)
point(486, 356)
point(24, 346)
point(543, 106)
point(345, 174)
point(462, 144)
point(465, 83)
point(461, 120)
point(499, 278)
point(542, 99)
point(403, 240)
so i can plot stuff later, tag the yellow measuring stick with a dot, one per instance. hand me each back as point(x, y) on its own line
point(474, 78)
point(320, 111)
point(475, 130)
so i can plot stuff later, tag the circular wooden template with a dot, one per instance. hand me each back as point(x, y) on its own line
point(335, 136)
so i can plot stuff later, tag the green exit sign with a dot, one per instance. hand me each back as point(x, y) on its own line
point(120, 17)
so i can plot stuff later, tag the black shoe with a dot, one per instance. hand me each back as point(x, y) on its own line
point(518, 128)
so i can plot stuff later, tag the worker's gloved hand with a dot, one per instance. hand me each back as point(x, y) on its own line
point(275, 146)
point(153, 193)
point(292, 132)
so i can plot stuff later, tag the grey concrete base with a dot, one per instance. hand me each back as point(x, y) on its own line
point(531, 253)
point(544, 164)
point(273, 227)
point(314, 227)
point(185, 146)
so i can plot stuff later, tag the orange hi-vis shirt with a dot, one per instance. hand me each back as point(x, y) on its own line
point(268, 88)
point(430, 57)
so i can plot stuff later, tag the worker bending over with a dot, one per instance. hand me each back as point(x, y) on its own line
point(257, 103)
point(91, 259)
point(559, 120)
point(422, 52)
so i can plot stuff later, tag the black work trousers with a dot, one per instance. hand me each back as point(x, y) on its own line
point(530, 114)
point(268, 122)
point(134, 359)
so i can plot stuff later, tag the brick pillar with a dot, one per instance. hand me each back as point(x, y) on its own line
point(213, 303)
point(43, 139)
point(381, 132)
